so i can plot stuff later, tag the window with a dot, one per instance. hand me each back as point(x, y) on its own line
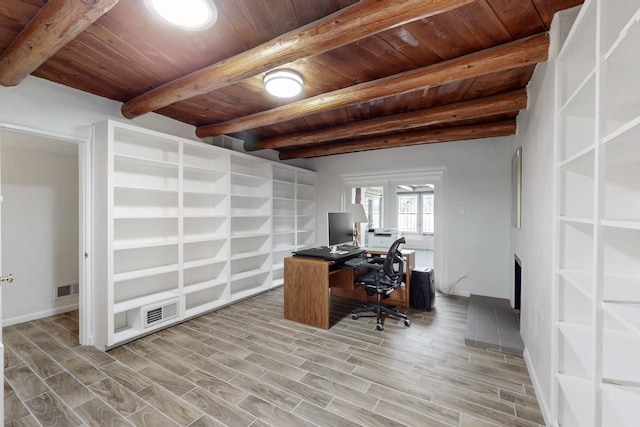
point(374, 211)
point(415, 211)
point(371, 198)
point(427, 213)
point(408, 213)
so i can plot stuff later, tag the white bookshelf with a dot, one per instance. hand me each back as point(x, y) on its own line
point(305, 209)
point(293, 215)
point(182, 228)
point(598, 218)
point(251, 222)
point(284, 219)
point(205, 229)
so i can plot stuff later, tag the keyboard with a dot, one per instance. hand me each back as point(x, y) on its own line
point(346, 247)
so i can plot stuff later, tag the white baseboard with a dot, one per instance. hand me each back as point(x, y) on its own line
point(39, 315)
point(462, 293)
point(544, 406)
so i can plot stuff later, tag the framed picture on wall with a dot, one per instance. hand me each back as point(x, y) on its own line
point(516, 189)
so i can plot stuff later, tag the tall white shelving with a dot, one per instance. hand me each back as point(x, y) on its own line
point(598, 257)
point(293, 215)
point(284, 219)
point(182, 228)
point(251, 201)
point(305, 209)
point(205, 228)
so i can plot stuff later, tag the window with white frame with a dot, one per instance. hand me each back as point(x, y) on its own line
point(374, 210)
point(415, 210)
point(371, 198)
point(427, 213)
point(408, 213)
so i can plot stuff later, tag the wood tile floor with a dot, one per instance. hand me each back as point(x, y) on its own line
point(245, 365)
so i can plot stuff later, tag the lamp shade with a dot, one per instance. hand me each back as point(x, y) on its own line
point(359, 215)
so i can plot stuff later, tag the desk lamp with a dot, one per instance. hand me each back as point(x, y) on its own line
point(359, 217)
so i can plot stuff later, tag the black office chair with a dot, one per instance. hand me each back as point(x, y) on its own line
point(385, 275)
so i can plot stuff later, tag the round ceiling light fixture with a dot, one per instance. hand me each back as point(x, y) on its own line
point(190, 15)
point(283, 83)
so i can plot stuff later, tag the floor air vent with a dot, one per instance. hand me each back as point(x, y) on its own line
point(67, 290)
point(159, 312)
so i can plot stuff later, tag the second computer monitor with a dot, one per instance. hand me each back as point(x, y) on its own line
point(340, 226)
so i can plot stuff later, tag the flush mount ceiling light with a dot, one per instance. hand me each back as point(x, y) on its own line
point(186, 14)
point(283, 83)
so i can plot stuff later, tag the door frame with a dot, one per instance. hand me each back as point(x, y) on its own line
point(389, 180)
point(85, 231)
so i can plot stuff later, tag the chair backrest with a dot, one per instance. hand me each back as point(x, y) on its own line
point(393, 265)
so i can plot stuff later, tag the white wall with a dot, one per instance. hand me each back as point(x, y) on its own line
point(533, 243)
point(477, 177)
point(39, 227)
point(46, 106)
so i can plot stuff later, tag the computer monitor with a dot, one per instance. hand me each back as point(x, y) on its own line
point(340, 226)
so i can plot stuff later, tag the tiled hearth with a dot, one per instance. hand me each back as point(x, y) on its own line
point(491, 323)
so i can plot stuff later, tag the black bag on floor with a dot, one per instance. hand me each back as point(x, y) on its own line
point(423, 289)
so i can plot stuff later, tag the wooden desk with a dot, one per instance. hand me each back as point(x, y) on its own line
point(307, 283)
point(310, 282)
point(400, 297)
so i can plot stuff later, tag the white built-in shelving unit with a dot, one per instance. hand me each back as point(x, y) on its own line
point(182, 228)
point(293, 215)
point(205, 228)
point(598, 224)
point(284, 219)
point(305, 209)
point(251, 201)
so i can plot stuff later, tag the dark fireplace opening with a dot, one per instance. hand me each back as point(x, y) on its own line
point(517, 270)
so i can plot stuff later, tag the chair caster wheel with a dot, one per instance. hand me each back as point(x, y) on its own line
point(354, 316)
point(379, 327)
point(407, 322)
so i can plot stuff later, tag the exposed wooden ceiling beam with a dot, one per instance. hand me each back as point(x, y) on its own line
point(527, 51)
point(401, 140)
point(355, 22)
point(482, 107)
point(55, 25)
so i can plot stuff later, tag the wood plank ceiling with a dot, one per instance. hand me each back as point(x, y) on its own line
point(377, 74)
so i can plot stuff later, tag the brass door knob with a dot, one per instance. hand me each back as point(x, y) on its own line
point(7, 279)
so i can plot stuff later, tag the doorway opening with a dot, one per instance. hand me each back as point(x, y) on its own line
point(416, 220)
point(406, 203)
point(43, 178)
